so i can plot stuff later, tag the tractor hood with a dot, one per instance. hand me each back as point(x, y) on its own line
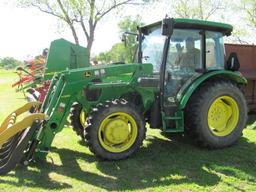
point(111, 74)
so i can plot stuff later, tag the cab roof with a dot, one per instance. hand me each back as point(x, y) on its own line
point(196, 24)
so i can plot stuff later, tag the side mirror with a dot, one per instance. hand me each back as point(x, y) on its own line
point(124, 39)
point(233, 63)
point(167, 26)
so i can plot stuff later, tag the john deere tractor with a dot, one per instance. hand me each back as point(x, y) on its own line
point(179, 83)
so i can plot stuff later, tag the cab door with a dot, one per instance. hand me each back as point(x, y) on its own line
point(184, 57)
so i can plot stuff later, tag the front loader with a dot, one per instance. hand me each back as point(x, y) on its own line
point(179, 84)
point(36, 81)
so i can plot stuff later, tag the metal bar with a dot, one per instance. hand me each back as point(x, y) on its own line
point(16, 113)
point(106, 85)
point(162, 69)
point(45, 102)
point(253, 91)
point(55, 96)
point(17, 127)
point(203, 51)
point(140, 44)
point(33, 84)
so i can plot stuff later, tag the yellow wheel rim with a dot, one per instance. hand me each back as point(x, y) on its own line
point(82, 118)
point(223, 116)
point(118, 132)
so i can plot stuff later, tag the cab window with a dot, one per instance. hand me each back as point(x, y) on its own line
point(185, 51)
point(214, 50)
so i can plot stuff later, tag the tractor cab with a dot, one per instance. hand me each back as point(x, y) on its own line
point(180, 51)
point(190, 46)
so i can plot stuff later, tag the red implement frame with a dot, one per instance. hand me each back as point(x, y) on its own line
point(247, 58)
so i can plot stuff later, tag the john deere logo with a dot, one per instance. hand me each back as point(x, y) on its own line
point(88, 74)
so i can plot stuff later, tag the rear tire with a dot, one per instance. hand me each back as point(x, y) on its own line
point(116, 130)
point(216, 114)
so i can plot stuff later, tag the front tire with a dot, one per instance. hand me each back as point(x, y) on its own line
point(116, 130)
point(216, 114)
point(78, 120)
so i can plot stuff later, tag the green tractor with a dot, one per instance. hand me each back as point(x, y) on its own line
point(180, 83)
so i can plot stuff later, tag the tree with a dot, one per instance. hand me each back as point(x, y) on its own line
point(104, 57)
point(244, 23)
point(250, 8)
point(120, 51)
point(9, 63)
point(84, 14)
point(128, 24)
point(196, 9)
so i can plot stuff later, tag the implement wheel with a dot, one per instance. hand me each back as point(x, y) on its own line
point(116, 130)
point(78, 120)
point(6, 152)
point(15, 150)
point(216, 114)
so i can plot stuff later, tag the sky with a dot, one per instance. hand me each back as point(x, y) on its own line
point(25, 32)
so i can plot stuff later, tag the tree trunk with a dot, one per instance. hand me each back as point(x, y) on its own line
point(90, 38)
point(74, 34)
point(89, 43)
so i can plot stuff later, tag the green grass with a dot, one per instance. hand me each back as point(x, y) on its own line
point(9, 98)
point(162, 164)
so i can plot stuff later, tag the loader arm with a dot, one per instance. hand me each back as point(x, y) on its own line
point(71, 86)
point(37, 130)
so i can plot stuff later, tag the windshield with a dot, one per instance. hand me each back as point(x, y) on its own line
point(152, 48)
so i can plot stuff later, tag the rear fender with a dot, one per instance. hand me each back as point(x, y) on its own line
point(187, 92)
